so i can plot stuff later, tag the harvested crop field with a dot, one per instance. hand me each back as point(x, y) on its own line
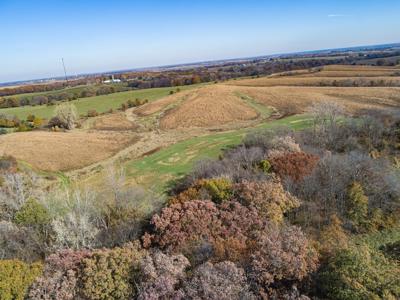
point(113, 122)
point(359, 68)
point(297, 99)
point(209, 106)
point(159, 105)
point(334, 75)
point(354, 73)
point(318, 81)
point(63, 151)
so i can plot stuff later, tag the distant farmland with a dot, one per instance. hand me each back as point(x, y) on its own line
point(99, 103)
point(161, 140)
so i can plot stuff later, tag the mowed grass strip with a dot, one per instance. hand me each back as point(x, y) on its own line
point(99, 103)
point(157, 170)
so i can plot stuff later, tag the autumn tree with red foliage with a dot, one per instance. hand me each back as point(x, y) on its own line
point(281, 255)
point(61, 275)
point(182, 227)
point(294, 165)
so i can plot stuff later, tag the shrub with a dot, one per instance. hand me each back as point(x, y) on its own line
point(8, 121)
point(220, 189)
point(88, 92)
point(16, 277)
point(132, 103)
point(37, 122)
point(237, 164)
point(185, 227)
point(182, 223)
point(268, 197)
point(294, 165)
point(92, 113)
point(264, 166)
point(124, 106)
point(160, 275)
point(281, 255)
point(32, 213)
point(19, 242)
point(215, 189)
point(30, 118)
point(8, 164)
point(332, 238)
point(191, 193)
point(359, 273)
point(281, 144)
point(357, 204)
point(60, 277)
point(277, 139)
point(222, 281)
point(78, 218)
point(23, 128)
point(109, 274)
point(327, 188)
point(55, 122)
point(67, 114)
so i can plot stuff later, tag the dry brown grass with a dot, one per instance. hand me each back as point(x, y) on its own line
point(114, 122)
point(159, 105)
point(353, 73)
point(207, 107)
point(327, 77)
point(313, 80)
point(59, 151)
point(297, 99)
point(358, 68)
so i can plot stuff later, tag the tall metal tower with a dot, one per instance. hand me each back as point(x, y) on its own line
point(65, 71)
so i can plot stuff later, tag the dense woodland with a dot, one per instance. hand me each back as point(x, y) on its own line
point(310, 214)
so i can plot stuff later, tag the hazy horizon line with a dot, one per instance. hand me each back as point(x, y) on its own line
point(5, 83)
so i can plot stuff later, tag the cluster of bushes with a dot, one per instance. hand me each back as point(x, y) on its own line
point(30, 123)
point(358, 272)
point(16, 277)
point(65, 116)
point(34, 222)
point(346, 184)
point(53, 98)
point(133, 103)
point(284, 215)
point(9, 121)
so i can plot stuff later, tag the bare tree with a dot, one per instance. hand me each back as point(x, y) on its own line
point(326, 117)
point(67, 114)
point(16, 189)
point(77, 226)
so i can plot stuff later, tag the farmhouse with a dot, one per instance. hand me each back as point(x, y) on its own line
point(112, 80)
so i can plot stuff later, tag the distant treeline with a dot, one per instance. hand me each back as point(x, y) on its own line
point(67, 95)
point(168, 78)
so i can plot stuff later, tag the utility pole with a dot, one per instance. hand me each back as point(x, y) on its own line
point(65, 71)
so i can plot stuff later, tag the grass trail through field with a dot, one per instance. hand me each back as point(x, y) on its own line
point(157, 170)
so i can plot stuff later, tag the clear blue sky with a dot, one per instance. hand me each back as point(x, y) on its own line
point(101, 35)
